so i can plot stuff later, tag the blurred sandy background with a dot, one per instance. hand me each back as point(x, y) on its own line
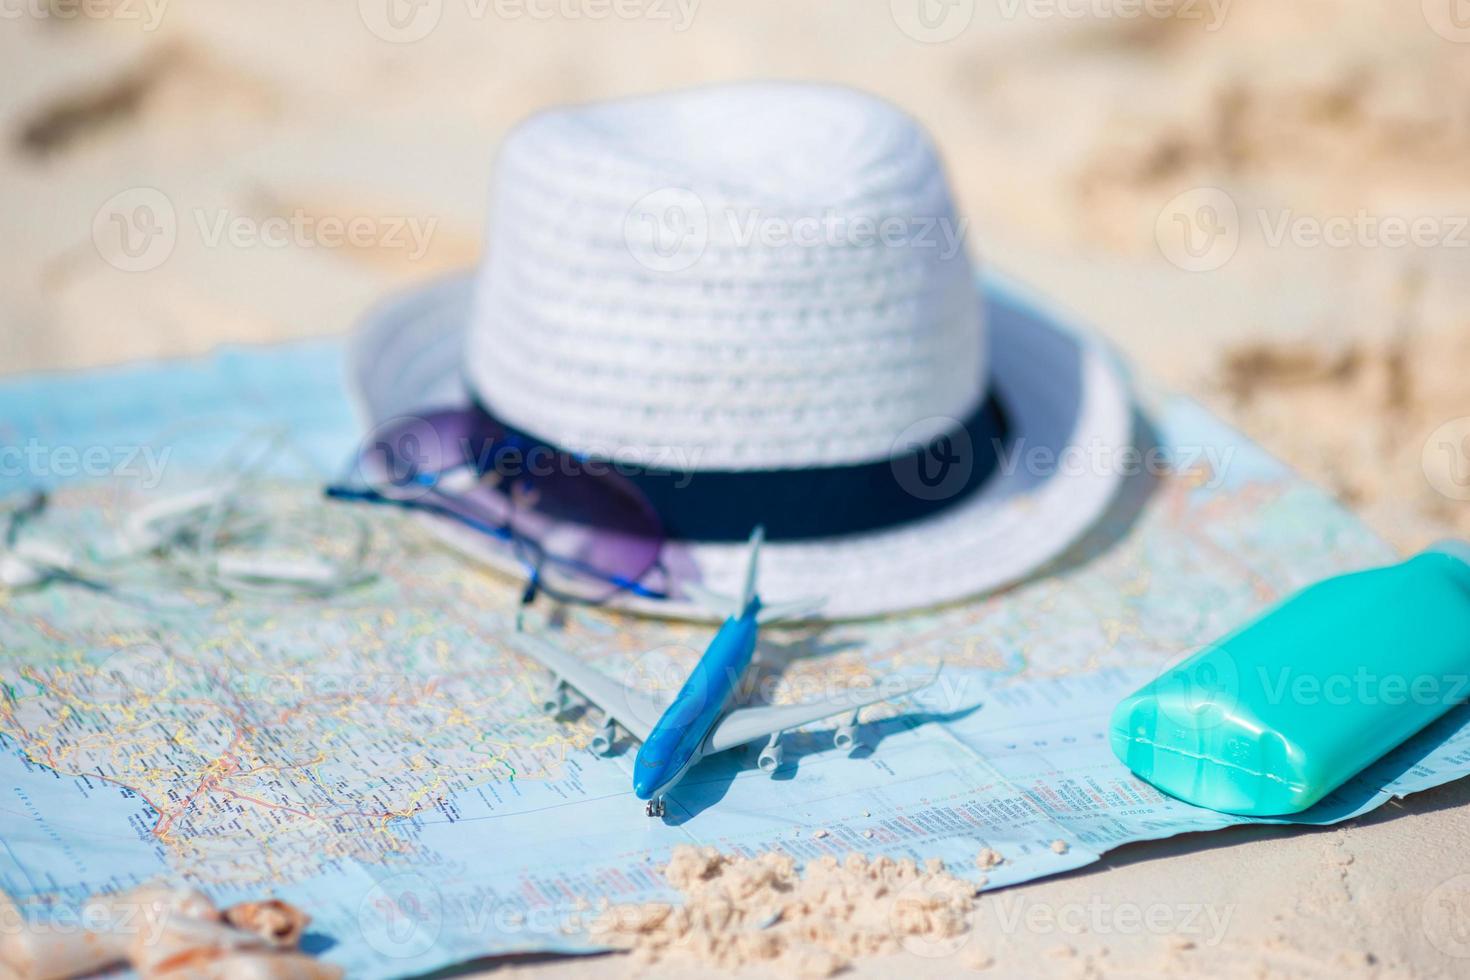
point(1071, 129)
point(1262, 202)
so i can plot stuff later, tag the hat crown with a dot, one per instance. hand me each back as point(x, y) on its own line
point(756, 276)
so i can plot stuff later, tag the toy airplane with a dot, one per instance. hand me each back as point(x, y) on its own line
point(700, 720)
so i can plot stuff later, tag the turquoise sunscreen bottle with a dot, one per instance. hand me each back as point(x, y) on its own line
point(1278, 714)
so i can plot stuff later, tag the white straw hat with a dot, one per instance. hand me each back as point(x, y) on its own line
point(763, 290)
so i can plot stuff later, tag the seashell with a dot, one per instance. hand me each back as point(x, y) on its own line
point(183, 947)
point(43, 951)
point(280, 923)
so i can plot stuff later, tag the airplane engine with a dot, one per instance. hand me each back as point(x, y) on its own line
point(845, 738)
point(555, 700)
point(771, 756)
point(602, 742)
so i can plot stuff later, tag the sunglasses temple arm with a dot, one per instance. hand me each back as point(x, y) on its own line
point(364, 494)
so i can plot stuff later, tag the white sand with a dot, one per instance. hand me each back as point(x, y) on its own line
point(1067, 140)
point(810, 921)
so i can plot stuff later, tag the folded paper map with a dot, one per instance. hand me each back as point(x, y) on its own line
point(378, 756)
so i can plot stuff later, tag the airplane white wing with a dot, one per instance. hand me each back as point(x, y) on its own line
point(635, 711)
point(720, 605)
point(796, 609)
point(723, 605)
point(748, 724)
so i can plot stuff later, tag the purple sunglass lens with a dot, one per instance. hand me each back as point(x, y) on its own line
point(588, 530)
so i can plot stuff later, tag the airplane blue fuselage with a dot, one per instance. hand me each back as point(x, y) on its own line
point(675, 742)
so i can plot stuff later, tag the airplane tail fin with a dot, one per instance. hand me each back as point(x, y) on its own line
point(756, 537)
point(729, 606)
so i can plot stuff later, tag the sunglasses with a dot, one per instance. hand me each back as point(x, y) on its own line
point(582, 532)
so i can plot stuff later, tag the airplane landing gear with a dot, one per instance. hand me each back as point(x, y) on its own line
point(655, 808)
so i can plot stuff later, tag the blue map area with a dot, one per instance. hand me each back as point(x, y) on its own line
point(378, 758)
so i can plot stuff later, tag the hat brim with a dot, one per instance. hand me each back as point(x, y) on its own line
point(1066, 401)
